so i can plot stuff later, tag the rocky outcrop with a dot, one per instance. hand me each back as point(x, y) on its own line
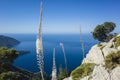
point(69, 78)
point(97, 55)
point(101, 73)
point(94, 56)
point(115, 74)
point(118, 48)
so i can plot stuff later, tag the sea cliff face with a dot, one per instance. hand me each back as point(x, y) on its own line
point(99, 54)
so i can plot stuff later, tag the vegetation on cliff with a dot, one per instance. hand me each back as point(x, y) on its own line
point(13, 76)
point(7, 70)
point(117, 41)
point(7, 56)
point(82, 71)
point(112, 60)
point(10, 72)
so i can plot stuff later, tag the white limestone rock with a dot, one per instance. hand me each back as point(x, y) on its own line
point(69, 78)
point(118, 35)
point(110, 43)
point(106, 50)
point(94, 56)
point(110, 47)
point(118, 48)
point(100, 73)
point(115, 74)
point(97, 53)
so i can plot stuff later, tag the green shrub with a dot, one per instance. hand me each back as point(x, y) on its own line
point(82, 71)
point(12, 76)
point(8, 55)
point(99, 44)
point(112, 60)
point(103, 31)
point(117, 41)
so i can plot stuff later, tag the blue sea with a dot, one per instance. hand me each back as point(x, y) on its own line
point(72, 47)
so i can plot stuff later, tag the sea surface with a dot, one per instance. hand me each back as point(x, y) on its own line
point(72, 47)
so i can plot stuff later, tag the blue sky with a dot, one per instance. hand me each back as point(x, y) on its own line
point(59, 16)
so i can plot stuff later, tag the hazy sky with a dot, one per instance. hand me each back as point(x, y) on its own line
point(59, 16)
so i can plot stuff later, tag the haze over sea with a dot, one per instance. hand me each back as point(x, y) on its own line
point(72, 48)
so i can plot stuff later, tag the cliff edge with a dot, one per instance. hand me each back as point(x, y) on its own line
point(101, 63)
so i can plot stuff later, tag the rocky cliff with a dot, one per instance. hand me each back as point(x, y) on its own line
point(106, 56)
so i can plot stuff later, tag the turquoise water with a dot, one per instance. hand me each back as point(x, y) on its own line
point(72, 48)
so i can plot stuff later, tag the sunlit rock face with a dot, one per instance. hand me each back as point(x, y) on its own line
point(119, 48)
point(115, 74)
point(110, 47)
point(69, 78)
point(96, 55)
point(100, 73)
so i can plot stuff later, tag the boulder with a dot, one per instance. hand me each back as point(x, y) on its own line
point(101, 73)
point(107, 50)
point(94, 56)
point(118, 48)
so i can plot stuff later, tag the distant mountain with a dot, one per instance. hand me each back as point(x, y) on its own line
point(6, 41)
